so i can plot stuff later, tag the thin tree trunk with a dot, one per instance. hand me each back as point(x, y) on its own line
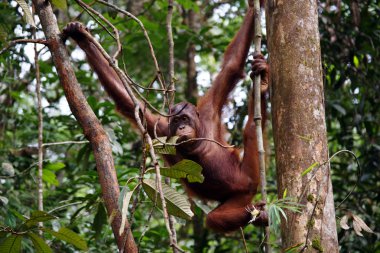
point(299, 123)
point(92, 128)
point(191, 72)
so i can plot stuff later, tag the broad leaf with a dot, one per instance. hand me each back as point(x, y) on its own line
point(184, 169)
point(60, 4)
point(124, 199)
point(343, 222)
point(27, 14)
point(54, 166)
point(69, 236)
point(38, 216)
point(100, 219)
point(11, 244)
point(165, 147)
point(360, 225)
point(176, 203)
point(39, 244)
point(49, 177)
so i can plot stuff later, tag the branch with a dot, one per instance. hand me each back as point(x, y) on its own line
point(170, 100)
point(130, 15)
point(257, 118)
point(40, 189)
point(23, 41)
point(171, 50)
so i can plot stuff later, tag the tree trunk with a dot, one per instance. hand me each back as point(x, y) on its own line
point(299, 124)
point(92, 128)
point(191, 92)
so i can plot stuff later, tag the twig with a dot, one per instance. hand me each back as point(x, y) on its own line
point(130, 15)
point(189, 140)
point(171, 50)
point(320, 186)
point(116, 32)
point(66, 205)
point(257, 118)
point(21, 41)
point(244, 242)
point(63, 143)
point(169, 100)
point(94, 18)
point(40, 185)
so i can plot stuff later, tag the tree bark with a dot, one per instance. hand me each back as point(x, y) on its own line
point(191, 91)
point(92, 128)
point(299, 123)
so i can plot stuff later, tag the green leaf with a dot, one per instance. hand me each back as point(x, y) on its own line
point(189, 4)
point(60, 4)
point(55, 166)
point(69, 236)
point(165, 147)
point(123, 201)
point(11, 244)
point(99, 220)
point(49, 177)
point(356, 61)
point(39, 216)
point(176, 203)
point(184, 169)
point(285, 193)
point(27, 14)
point(39, 244)
point(309, 169)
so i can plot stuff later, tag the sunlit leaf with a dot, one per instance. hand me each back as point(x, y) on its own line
point(55, 166)
point(356, 61)
point(285, 193)
point(309, 169)
point(49, 177)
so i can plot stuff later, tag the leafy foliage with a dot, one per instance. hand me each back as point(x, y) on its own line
point(177, 204)
point(13, 238)
point(350, 45)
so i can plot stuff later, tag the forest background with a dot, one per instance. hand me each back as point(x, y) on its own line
point(350, 44)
